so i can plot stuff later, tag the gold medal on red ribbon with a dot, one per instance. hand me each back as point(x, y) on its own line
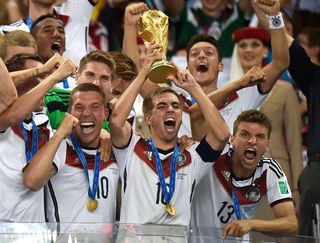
point(170, 209)
point(92, 205)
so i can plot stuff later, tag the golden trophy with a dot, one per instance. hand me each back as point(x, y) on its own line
point(153, 27)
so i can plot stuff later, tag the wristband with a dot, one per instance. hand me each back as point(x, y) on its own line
point(276, 22)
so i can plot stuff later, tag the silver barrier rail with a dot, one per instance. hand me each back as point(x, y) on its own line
point(127, 233)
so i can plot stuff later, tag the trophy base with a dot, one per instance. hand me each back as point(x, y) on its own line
point(160, 70)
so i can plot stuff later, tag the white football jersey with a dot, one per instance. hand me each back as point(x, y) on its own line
point(77, 15)
point(214, 206)
point(142, 198)
point(18, 203)
point(242, 100)
point(70, 187)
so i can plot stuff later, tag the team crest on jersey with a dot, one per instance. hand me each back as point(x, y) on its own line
point(283, 187)
point(226, 174)
point(253, 193)
point(148, 154)
point(181, 159)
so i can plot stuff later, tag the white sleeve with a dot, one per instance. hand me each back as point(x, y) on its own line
point(250, 97)
point(60, 156)
point(277, 184)
point(77, 28)
point(79, 10)
point(123, 155)
point(200, 167)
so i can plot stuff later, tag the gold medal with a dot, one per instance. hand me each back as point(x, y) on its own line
point(170, 209)
point(92, 205)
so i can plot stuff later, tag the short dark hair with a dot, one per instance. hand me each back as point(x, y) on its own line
point(202, 38)
point(98, 56)
point(313, 35)
point(148, 101)
point(33, 29)
point(126, 69)
point(253, 116)
point(86, 87)
point(17, 62)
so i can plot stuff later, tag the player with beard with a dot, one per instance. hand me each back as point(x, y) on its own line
point(85, 185)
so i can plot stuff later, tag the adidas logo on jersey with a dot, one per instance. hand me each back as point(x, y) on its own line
point(148, 154)
point(226, 174)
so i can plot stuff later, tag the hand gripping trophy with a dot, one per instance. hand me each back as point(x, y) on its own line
point(153, 27)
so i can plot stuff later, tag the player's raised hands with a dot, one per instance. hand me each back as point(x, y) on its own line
point(184, 80)
point(185, 142)
point(133, 13)
point(66, 69)
point(52, 64)
point(152, 55)
point(254, 76)
point(105, 145)
point(67, 124)
point(269, 7)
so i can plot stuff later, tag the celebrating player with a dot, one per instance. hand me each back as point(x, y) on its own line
point(158, 179)
point(241, 178)
point(85, 185)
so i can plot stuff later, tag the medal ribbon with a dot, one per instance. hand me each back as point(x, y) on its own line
point(235, 202)
point(193, 101)
point(167, 195)
point(29, 22)
point(65, 84)
point(91, 192)
point(29, 155)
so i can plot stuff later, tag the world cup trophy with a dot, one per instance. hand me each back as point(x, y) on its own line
point(153, 27)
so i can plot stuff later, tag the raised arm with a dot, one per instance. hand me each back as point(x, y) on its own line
point(39, 170)
point(263, 20)
point(218, 132)
point(130, 46)
point(279, 43)
point(219, 97)
point(120, 128)
point(131, 18)
point(25, 104)
point(8, 92)
point(20, 77)
point(285, 223)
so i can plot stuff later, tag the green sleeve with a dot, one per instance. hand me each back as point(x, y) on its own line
point(105, 125)
point(56, 101)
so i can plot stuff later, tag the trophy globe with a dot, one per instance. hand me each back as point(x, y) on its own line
point(153, 28)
